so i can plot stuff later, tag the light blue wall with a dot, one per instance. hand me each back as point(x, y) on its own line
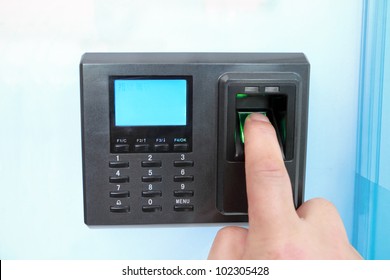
point(41, 207)
point(372, 215)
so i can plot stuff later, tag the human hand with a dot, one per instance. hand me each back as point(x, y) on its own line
point(276, 230)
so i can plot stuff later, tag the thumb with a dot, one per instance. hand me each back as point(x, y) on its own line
point(270, 202)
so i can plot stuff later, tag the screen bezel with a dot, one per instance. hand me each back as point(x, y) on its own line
point(132, 133)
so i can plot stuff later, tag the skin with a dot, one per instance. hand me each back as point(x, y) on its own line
point(276, 229)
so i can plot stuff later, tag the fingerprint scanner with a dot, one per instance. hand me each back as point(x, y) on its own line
point(241, 120)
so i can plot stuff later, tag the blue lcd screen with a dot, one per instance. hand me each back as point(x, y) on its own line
point(151, 102)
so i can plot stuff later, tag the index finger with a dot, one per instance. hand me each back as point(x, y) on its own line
point(270, 201)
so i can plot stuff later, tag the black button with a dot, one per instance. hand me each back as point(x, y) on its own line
point(151, 193)
point(183, 147)
point(119, 209)
point(149, 179)
point(119, 179)
point(151, 163)
point(183, 163)
point(182, 193)
point(119, 194)
point(182, 208)
point(118, 164)
point(185, 178)
point(161, 147)
point(121, 148)
point(141, 148)
point(151, 208)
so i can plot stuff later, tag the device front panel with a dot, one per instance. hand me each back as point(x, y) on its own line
point(163, 142)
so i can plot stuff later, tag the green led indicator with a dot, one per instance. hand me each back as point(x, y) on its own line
point(241, 95)
point(242, 117)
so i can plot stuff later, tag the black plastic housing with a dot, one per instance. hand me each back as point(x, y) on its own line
point(202, 183)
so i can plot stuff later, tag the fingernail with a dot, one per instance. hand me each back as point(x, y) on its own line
point(258, 117)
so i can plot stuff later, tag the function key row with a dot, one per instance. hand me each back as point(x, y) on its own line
point(144, 148)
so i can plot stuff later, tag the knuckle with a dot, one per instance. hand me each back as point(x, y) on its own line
point(227, 232)
point(322, 203)
point(270, 168)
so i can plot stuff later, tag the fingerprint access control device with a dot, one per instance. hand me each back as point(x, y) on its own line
point(163, 133)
